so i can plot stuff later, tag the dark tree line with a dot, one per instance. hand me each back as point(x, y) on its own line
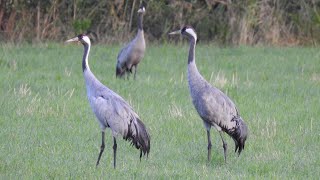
point(274, 22)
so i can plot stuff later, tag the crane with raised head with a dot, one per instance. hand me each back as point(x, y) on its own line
point(131, 55)
point(111, 110)
point(213, 106)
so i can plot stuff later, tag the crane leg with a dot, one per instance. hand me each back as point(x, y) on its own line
point(209, 145)
point(101, 148)
point(114, 151)
point(224, 147)
point(135, 71)
point(128, 74)
point(140, 154)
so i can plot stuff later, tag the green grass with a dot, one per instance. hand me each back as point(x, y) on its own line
point(49, 131)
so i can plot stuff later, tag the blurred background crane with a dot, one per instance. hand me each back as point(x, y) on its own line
point(130, 56)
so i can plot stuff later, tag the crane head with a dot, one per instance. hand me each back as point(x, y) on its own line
point(83, 38)
point(142, 8)
point(186, 31)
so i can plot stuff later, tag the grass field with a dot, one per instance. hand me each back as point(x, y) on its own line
point(49, 131)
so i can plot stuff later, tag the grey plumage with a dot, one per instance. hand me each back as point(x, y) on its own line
point(111, 110)
point(213, 106)
point(131, 55)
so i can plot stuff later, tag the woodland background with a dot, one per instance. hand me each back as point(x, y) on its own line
point(226, 22)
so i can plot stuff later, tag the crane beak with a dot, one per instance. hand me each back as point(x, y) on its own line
point(72, 40)
point(175, 32)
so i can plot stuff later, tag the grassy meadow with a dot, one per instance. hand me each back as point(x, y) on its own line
point(49, 131)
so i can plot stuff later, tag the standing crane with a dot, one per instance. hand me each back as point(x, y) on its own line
point(111, 110)
point(131, 55)
point(213, 106)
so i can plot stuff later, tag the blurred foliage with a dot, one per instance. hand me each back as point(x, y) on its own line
point(81, 25)
point(233, 22)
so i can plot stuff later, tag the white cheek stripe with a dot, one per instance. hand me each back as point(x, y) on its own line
point(192, 33)
point(87, 40)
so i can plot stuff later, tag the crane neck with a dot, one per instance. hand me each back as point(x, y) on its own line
point(85, 58)
point(140, 21)
point(195, 80)
point(191, 57)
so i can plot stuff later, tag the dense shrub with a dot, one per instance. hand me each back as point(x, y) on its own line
point(251, 22)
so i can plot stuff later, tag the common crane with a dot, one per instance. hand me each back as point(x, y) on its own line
point(131, 55)
point(213, 106)
point(111, 110)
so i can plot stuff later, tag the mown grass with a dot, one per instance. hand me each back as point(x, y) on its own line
point(49, 131)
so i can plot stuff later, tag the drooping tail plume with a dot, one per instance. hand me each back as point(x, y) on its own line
point(239, 135)
point(139, 136)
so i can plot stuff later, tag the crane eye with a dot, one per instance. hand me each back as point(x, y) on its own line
point(184, 29)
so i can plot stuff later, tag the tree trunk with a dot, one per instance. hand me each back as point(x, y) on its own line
point(38, 23)
point(131, 16)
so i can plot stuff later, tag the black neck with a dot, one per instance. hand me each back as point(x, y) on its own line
point(140, 21)
point(192, 50)
point(85, 57)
